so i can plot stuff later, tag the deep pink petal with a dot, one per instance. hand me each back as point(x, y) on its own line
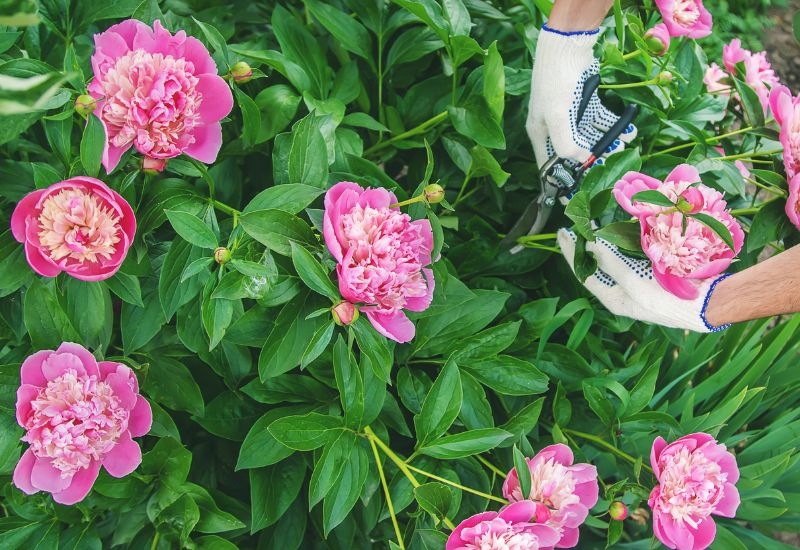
point(588, 492)
point(124, 458)
point(196, 52)
point(680, 287)
point(704, 534)
point(122, 389)
point(217, 100)
point(518, 512)
point(47, 478)
point(25, 394)
point(655, 452)
point(41, 264)
point(141, 418)
point(569, 537)
point(208, 140)
point(454, 540)
point(729, 502)
point(25, 208)
point(421, 303)
point(395, 326)
point(684, 172)
point(88, 360)
point(31, 369)
point(60, 363)
point(22, 473)
point(560, 452)
point(81, 484)
point(377, 197)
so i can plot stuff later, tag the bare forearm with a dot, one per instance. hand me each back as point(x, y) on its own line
point(769, 288)
point(578, 15)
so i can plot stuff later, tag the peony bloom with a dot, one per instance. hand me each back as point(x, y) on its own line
point(562, 492)
point(759, 74)
point(732, 54)
point(77, 414)
point(512, 528)
point(681, 249)
point(717, 80)
point(793, 202)
point(685, 17)
point(78, 226)
point(381, 255)
point(658, 39)
point(786, 110)
point(696, 478)
point(158, 92)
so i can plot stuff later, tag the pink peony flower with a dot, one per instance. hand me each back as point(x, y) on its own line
point(78, 226)
point(681, 249)
point(786, 110)
point(77, 414)
point(685, 17)
point(658, 38)
point(511, 528)
point(759, 74)
point(158, 92)
point(732, 54)
point(793, 202)
point(563, 492)
point(717, 80)
point(381, 255)
point(696, 478)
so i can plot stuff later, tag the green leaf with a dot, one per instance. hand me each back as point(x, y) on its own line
point(126, 287)
point(363, 120)
point(216, 314)
point(375, 347)
point(508, 375)
point(308, 156)
point(651, 196)
point(494, 82)
point(441, 405)
point(626, 236)
point(251, 118)
point(92, 144)
point(14, 269)
point(522, 422)
point(289, 198)
point(170, 383)
point(287, 341)
point(214, 38)
point(88, 307)
point(278, 105)
point(643, 391)
point(260, 448)
point(473, 120)
point(318, 343)
point(307, 432)
point(716, 226)
point(330, 465)
point(272, 491)
point(434, 498)
point(523, 471)
point(754, 112)
point(45, 319)
point(487, 343)
point(192, 229)
point(345, 491)
point(411, 45)
point(348, 32)
point(466, 443)
point(312, 273)
point(172, 293)
point(578, 210)
point(277, 229)
point(349, 383)
point(483, 163)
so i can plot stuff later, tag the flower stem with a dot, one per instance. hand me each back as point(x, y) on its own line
point(750, 155)
point(650, 82)
point(608, 446)
point(631, 55)
point(767, 188)
point(421, 129)
point(460, 195)
point(539, 237)
point(713, 139)
point(752, 210)
point(412, 200)
point(456, 485)
point(222, 207)
point(491, 466)
point(389, 504)
point(154, 544)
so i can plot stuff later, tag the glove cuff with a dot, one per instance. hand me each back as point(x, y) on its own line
point(547, 28)
point(709, 326)
point(558, 52)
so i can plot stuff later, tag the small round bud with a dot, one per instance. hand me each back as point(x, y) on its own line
point(657, 39)
point(222, 255)
point(344, 313)
point(618, 511)
point(153, 166)
point(241, 72)
point(664, 78)
point(85, 104)
point(434, 193)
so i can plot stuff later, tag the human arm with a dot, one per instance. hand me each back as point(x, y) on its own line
point(578, 15)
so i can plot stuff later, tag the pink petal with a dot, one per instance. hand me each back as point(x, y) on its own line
point(141, 418)
point(518, 512)
point(122, 389)
point(588, 492)
point(22, 473)
point(704, 534)
point(25, 208)
point(421, 303)
point(81, 484)
point(684, 172)
point(111, 153)
point(547, 536)
point(569, 537)
point(217, 100)
point(208, 140)
point(196, 52)
point(395, 326)
point(659, 532)
point(31, 370)
point(339, 199)
point(454, 541)
point(655, 452)
point(560, 452)
point(377, 197)
point(25, 394)
point(729, 502)
point(712, 268)
point(572, 515)
point(45, 477)
point(124, 457)
point(40, 263)
point(680, 287)
point(60, 363)
point(88, 360)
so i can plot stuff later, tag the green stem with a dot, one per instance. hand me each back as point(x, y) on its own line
point(608, 446)
point(752, 210)
point(708, 140)
point(539, 237)
point(491, 466)
point(631, 55)
point(222, 207)
point(412, 200)
point(456, 485)
point(650, 82)
point(421, 129)
point(750, 155)
point(460, 195)
point(768, 188)
point(537, 246)
point(154, 544)
point(387, 495)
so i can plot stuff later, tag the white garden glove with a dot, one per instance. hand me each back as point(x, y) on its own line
point(563, 63)
point(626, 287)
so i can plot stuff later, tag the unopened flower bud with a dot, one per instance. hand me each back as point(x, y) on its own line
point(664, 78)
point(657, 39)
point(241, 72)
point(618, 511)
point(153, 166)
point(222, 255)
point(344, 313)
point(434, 193)
point(85, 104)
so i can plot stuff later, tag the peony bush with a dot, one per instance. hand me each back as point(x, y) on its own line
point(254, 291)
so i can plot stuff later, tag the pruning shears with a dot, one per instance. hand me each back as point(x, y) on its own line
point(561, 177)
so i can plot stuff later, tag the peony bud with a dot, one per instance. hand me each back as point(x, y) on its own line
point(434, 193)
point(618, 511)
point(153, 166)
point(222, 255)
point(85, 104)
point(344, 313)
point(657, 39)
point(664, 78)
point(241, 72)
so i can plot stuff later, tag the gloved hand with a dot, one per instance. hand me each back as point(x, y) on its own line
point(625, 286)
point(563, 63)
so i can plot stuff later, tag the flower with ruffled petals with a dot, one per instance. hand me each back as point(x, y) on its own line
point(563, 492)
point(717, 80)
point(381, 255)
point(732, 54)
point(759, 74)
point(512, 528)
point(78, 226)
point(157, 92)
point(681, 249)
point(696, 479)
point(658, 39)
point(685, 17)
point(78, 414)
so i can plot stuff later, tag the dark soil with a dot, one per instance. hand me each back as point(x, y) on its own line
point(782, 48)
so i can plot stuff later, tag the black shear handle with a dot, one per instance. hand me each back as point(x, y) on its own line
point(613, 133)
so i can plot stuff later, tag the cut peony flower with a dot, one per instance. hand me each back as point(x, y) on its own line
point(78, 226)
point(696, 478)
point(759, 74)
point(78, 414)
point(158, 92)
point(786, 110)
point(563, 492)
point(682, 250)
point(381, 255)
point(793, 202)
point(685, 17)
point(512, 528)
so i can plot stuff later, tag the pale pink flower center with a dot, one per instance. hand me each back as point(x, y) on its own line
point(74, 420)
point(151, 101)
point(497, 534)
point(552, 484)
point(691, 486)
point(680, 252)
point(686, 12)
point(77, 225)
point(382, 260)
point(759, 72)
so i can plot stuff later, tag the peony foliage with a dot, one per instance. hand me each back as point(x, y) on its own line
point(254, 290)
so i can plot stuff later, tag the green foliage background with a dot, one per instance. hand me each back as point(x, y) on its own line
point(264, 416)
